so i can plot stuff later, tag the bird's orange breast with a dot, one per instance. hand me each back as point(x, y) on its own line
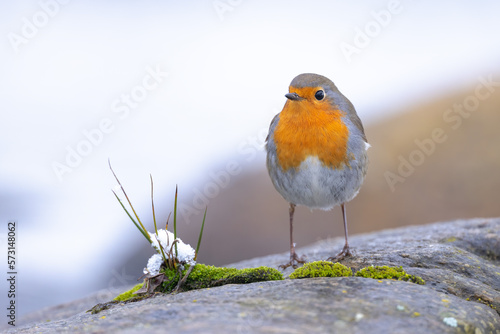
point(309, 129)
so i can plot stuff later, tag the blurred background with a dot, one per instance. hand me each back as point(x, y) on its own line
point(186, 92)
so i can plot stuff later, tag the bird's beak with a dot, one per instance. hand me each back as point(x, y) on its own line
point(293, 97)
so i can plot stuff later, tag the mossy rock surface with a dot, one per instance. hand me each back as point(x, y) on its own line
point(461, 295)
point(128, 294)
point(321, 269)
point(204, 276)
point(330, 269)
point(385, 272)
point(207, 276)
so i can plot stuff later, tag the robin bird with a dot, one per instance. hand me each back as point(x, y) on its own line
point(316, 151)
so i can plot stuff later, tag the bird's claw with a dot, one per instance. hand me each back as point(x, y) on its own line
point(346, 252)
point(294, 260)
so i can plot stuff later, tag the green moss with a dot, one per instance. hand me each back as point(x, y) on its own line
point(126, 297)
point(385, 272)
point(204, 276)
point(128, 294)
point(321, 269)
point(170, 281)
point(330, 269)
point(451, 239)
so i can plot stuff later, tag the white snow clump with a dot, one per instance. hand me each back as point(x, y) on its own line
point(185, 253)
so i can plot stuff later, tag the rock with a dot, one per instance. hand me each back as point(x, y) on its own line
point(459, 261)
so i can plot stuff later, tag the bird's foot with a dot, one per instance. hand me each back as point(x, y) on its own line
point(346, 252)
point(294, 260)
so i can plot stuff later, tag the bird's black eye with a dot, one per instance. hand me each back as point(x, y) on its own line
point(320, 95)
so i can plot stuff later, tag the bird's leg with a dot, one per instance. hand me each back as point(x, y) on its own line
point(345, 251)
point(294, 259)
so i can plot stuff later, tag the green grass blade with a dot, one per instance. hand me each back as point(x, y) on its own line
point(175, 220)
point(153, 204)
point(166, 224)
point(201, 234)
point(144, 233)
point(162, 253)
point(130, 203)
